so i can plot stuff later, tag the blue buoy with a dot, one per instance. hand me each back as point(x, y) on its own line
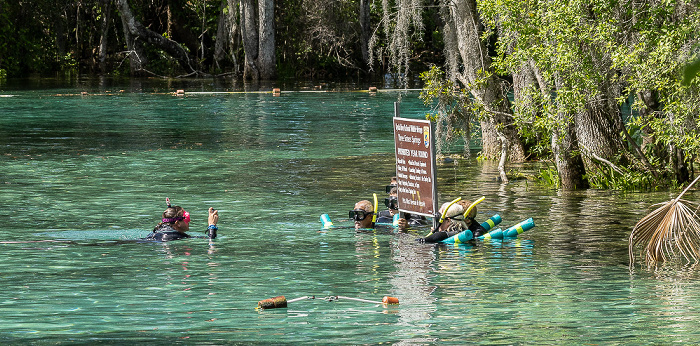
point(511, 232)
point(491, 222)
point(326, 221)
point(467, 235)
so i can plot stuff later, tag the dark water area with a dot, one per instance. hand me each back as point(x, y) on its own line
point(82, 177)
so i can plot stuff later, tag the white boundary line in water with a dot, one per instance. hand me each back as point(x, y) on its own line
point(275, 92)
point(291, 91)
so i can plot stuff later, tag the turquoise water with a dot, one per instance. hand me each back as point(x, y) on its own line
point(83, 177)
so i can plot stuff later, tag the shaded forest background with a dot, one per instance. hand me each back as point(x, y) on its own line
point(601, 90)
point(309, 39)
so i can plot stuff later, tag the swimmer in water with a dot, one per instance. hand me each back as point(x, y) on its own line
point(476, 227)
point(392, 203)
point(455, 222)
point(176, 222)
point(363, 214)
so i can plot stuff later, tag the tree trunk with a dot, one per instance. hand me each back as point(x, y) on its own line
point(169, 24)
point(567, 156)
point(649, 111)
point(266, 52)
point(524, 85)
point(526, 105)
point(135, 51)
point(504, 156)
point(365, 30)
point(60, 34)
point(680, 167)
point(249, 34)
point(138, 32)
point(234, 35)
point(464, 30)
point(104, 34)
point(598, 131)
point(221, 42)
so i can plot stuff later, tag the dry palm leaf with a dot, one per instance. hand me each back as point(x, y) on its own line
point(670, 231)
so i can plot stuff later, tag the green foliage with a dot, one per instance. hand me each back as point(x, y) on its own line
point(691, 71)
point(313, 39)
point(452, 110)
point(549, 177)
point(68, 62)
point(628, 181)
point(583, 49)
point(535, 121)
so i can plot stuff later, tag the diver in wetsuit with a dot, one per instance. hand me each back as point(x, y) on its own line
point(455, 222)
point(176, 222)
point(476, 227)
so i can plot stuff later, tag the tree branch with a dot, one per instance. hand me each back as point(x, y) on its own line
point(593, 155)
point(137, 29)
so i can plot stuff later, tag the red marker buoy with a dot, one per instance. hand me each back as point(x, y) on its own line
point(281, 301)
point(390, 300)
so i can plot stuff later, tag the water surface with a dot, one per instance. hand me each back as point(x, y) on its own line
point(83, 177)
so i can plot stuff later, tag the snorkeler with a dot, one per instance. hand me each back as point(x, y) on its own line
point(363, 214)
point(454, 221)
point(476, 227)
point(392, 203)
point(176, 222)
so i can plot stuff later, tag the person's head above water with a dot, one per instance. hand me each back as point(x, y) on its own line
point(454, 216)
point(392, 202)
point(362, 214)
point(176, 222)
point(176, 217)
point(472, 213)
point(392, 185)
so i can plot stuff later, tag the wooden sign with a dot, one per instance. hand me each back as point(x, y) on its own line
point(415, 166)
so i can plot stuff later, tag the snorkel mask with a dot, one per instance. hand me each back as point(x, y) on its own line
point(391, 203)
point(359, 214)
point(185, 217)
point(185, 214)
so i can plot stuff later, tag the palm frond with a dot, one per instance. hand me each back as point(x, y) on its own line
point(670, 231)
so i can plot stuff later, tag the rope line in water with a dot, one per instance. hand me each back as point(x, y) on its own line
point(274, 92)
point(281, 301)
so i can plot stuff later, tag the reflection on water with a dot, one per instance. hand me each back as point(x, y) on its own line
point(83, 178)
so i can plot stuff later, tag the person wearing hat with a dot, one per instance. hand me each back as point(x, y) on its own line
point(454, 222)
point(476, 227)
point(176, 222)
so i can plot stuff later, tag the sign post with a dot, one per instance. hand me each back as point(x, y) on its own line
point(415, 166)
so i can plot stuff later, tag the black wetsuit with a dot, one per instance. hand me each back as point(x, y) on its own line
point(436, 237)
point(165, 232)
